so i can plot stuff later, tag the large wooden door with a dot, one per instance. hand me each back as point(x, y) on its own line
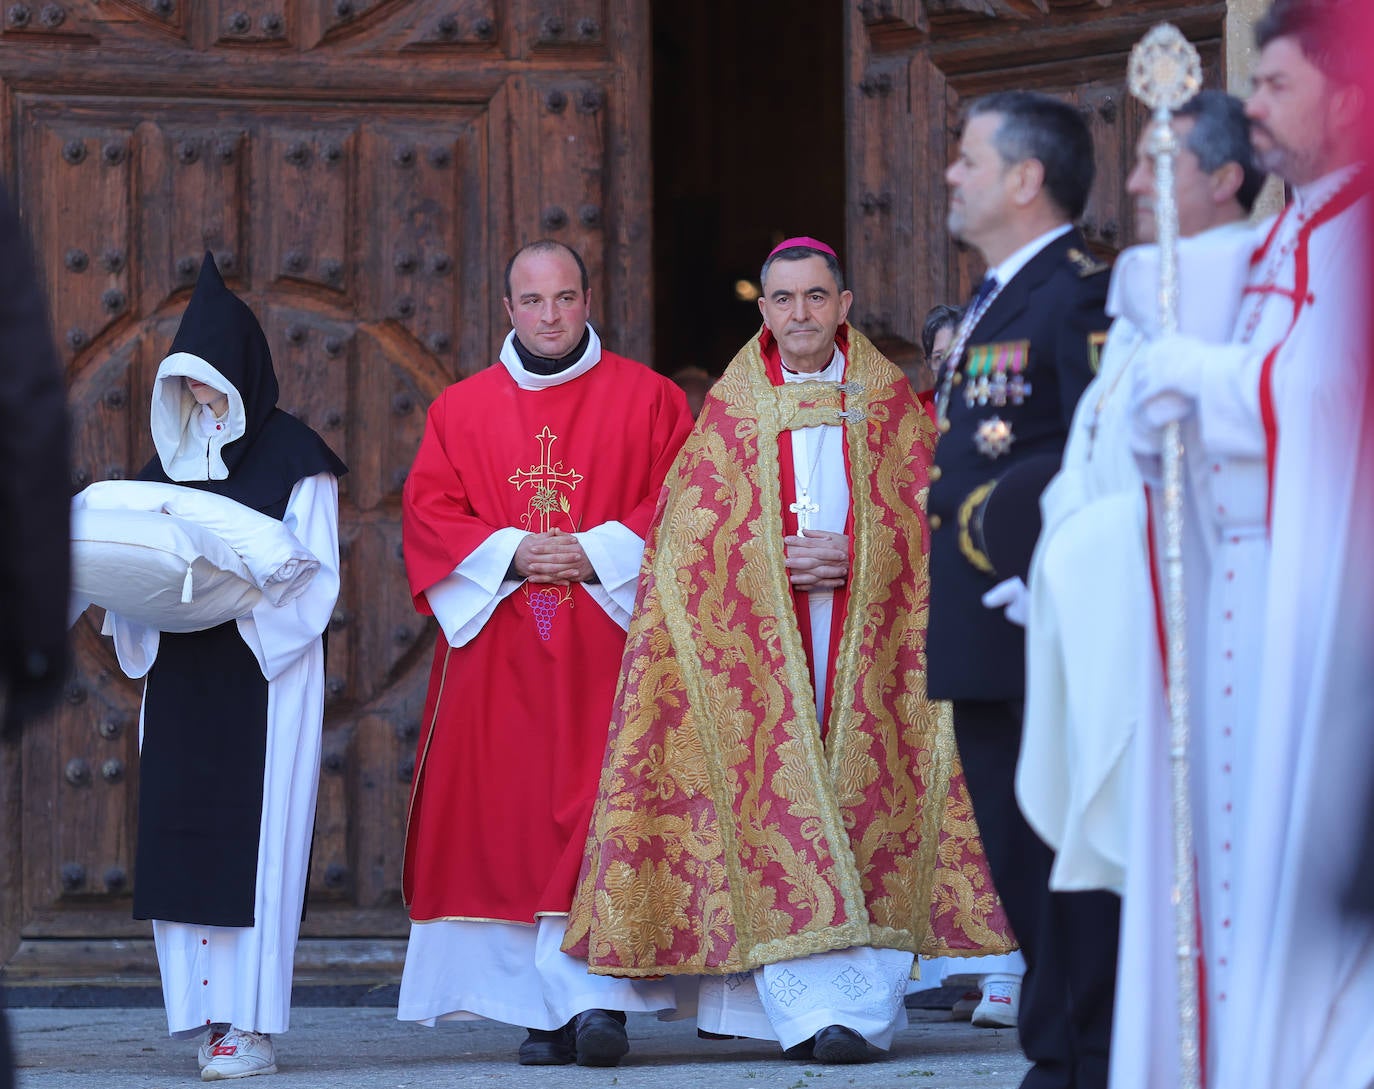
point(361, 170)
point(914, 64)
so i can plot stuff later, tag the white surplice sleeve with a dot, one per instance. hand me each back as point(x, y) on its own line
point(614, 551)
point(464, 601)
point(279, 635)
point(135, 646)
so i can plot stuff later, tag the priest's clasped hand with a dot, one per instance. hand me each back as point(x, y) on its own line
point(817, 560)
point(554, 556)
point(1165, 388)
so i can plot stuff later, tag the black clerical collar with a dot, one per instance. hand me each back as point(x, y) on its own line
point(539, 364)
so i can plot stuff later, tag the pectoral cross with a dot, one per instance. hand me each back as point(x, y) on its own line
point(803, 508)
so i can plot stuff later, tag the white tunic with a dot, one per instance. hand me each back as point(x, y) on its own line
point(242, 975)
point(1277, 770)
point(818, 470)
point(1094, 688)
point(1090, 636)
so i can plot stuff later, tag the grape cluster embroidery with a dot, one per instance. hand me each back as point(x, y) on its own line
point(544, 604)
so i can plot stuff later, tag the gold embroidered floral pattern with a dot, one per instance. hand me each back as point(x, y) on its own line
point(727, 833)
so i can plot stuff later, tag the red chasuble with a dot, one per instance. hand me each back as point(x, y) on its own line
point(730, 831)
point(514, 728)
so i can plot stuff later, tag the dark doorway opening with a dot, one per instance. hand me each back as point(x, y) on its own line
point(748, 149)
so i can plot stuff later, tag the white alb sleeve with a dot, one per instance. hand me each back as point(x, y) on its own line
point(615, 552)
point(464, 601)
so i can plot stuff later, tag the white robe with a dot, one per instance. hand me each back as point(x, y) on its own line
point(1281, 695)
point(242, 975)
point(1093, 775)
point(1090, 636)
point(1094, 676)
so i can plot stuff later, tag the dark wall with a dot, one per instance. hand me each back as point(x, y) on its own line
point(748, 149)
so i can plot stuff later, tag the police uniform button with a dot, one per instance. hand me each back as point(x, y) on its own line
point(957, 378)
point(934, 522)
point(944, 427)
point(935, 473)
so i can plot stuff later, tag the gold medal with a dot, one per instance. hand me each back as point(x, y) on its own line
point(993, 438)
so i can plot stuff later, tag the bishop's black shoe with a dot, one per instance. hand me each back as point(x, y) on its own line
point(599, 1037)
point(837, 1044)
point(803, 1052)
point(548, 1047)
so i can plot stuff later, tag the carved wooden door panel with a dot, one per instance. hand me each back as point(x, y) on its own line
point(913, 65)
point(361, 170)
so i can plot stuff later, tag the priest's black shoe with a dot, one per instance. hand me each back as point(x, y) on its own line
point(548, 1047)
point(837, 1044)
point(803, 1052)
point(600, 1037)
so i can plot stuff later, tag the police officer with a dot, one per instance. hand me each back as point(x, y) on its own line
point(1006, 395)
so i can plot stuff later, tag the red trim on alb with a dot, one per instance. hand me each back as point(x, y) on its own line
point(1301, 296)
point(1155, 590)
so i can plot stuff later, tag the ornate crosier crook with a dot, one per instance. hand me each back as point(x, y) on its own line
point(1165, 72)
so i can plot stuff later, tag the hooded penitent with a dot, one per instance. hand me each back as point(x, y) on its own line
point(205, 708)
point(261, 451)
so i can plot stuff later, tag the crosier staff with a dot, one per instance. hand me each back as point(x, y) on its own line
point(1165, 72)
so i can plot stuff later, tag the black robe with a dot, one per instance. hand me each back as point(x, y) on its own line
point(205, 704)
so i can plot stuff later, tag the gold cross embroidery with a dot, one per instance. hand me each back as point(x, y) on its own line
point(545, 477)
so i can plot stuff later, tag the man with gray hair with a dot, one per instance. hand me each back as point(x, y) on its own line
point(1063, 780)
point(1094, 696)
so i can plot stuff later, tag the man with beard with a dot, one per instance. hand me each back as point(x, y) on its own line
point(1281, 629)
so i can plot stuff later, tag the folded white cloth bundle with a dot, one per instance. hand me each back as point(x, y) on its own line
point(156, 570)
point(281, 566)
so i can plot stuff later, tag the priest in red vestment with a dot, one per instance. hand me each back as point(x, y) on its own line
point(524, 522)
point(782, 812)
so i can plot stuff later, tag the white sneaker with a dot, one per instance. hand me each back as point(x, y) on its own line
point(963, 1009)
point(1000, 1005)
point(240, 1054)
point(205, 1052)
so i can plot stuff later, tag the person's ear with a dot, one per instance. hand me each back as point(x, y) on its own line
point(1347, 107)
point(846, 301)
point(1226, 182)
point(1028, 181)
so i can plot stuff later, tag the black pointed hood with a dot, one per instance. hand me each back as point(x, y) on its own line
point(263, 451)
point(219, 328)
